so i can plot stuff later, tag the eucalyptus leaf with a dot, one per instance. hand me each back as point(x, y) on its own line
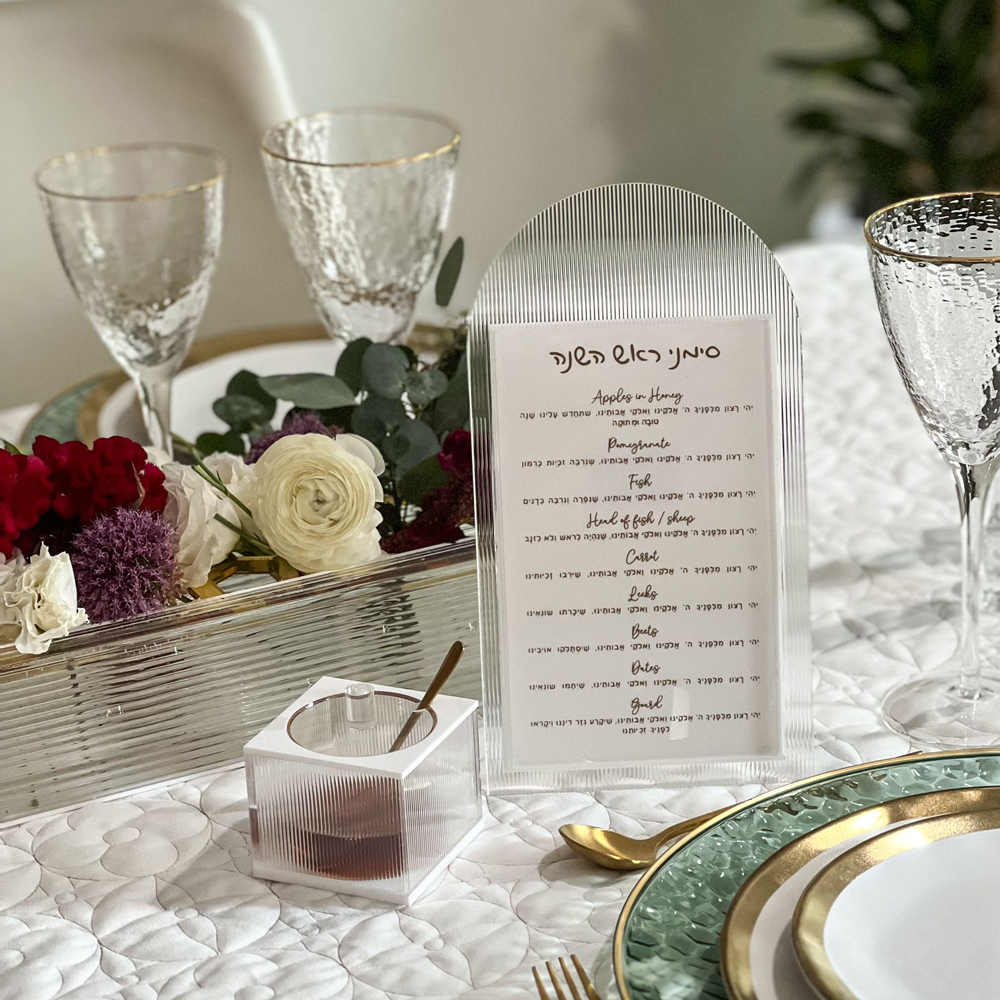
point(210, 443)
point(411, 443)
point(241, 412)
point(424, 387)
point(451, 268)
point(375, 418)
point(451, 409)
point(421, 480)
point(245, 383)
point(349, 362)
point(312, 390)
point(384, 369)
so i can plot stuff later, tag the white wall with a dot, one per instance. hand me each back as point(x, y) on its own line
point(552, 96)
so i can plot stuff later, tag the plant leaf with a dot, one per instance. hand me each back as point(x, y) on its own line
point(451, 408)
point(210, 443)
point(384, 368)
point(312, 390)
point(349, 362)
point(11, 447)
point(451, 268)
point(241, 412)
point(375, 418)
point(412, 442)
point(245, 383)
point(425, 477)
point(424, 387)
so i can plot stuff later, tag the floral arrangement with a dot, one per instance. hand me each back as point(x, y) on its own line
point(375, 458)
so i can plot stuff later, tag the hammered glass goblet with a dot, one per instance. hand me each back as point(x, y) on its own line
point(138, 229)
point(365, 197)
point(935, 263)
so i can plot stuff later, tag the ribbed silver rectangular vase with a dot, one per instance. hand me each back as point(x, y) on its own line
point(124, 705)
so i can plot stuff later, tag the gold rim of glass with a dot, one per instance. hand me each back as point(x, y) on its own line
point(926, 258)
point(213, 155)
point(452, 143)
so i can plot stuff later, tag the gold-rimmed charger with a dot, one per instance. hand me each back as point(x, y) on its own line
point(758, 890)
point(809, 931)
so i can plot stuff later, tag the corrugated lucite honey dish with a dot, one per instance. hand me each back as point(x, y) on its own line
point(331, 807)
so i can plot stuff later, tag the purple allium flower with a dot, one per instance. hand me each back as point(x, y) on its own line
point(299, 423)
point(125, 565)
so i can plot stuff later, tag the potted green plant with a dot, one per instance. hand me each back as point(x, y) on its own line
point(914, 109)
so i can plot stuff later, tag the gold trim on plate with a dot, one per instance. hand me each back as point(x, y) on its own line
point(746, 908)
point(816, 902)
point(926, 258)
point(650, 873)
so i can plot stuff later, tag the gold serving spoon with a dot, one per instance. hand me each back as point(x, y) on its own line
point(615, 850)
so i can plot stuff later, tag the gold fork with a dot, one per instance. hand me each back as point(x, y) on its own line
point(588, 986)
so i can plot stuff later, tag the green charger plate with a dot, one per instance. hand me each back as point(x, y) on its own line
point(667, 941)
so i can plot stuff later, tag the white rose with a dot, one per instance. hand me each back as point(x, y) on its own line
point(313, 499)
point(43, 599)
point(202, 540)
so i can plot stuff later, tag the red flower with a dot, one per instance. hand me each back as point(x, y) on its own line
point(456, 454)
point(90, 482)
point(25, 495)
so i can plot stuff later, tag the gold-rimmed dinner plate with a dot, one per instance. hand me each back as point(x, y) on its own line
point(757, 956)
point(910, 914)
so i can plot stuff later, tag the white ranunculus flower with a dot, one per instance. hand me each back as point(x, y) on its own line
point(42, 597)
point(313, 499)
point(202, 540)
point(236, 476)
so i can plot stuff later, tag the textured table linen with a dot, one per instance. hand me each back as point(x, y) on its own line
point(150, 896)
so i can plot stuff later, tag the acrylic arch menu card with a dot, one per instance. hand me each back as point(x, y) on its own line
point(640, 499)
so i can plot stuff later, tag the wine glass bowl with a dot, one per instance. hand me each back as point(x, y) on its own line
point(935, 265)
point(138, 229)
point(364, 196)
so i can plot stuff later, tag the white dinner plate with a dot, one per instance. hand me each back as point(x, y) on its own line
point(197, 387)
point(911, 914)
point(757, 954)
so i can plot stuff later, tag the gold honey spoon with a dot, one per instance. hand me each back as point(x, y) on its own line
point(444, 672)
point(615, 850)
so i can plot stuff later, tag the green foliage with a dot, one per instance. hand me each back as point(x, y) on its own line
point(914, 111)
point(312, 391)
point(422, 479)
point(384, 369)
point(10, 446)
point(245, 383)
point(451, 268)
point(210, 443)
point(411, 443)
point(242, 413)
point(375, 418)
point(349, 362)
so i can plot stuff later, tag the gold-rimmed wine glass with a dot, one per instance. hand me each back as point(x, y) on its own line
point(138, 228)
point(935, 264)
point(364, 195)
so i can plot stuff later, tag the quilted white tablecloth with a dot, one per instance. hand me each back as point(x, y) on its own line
point(150, 896)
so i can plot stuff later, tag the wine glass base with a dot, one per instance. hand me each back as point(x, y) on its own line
point(932, 713)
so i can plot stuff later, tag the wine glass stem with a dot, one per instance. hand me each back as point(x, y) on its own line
point(973, 483)
point(154, 398)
